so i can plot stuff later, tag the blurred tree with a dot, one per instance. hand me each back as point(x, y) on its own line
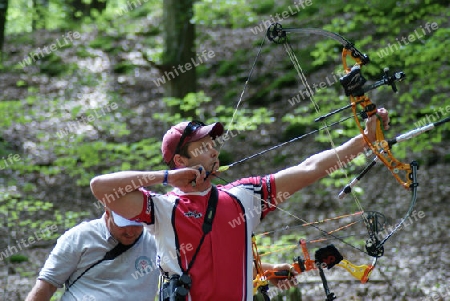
point(40, 10)
point(83, 8)
point(179, 49)
point(3, 14)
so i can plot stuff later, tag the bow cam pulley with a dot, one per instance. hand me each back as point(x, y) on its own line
point(276, 34)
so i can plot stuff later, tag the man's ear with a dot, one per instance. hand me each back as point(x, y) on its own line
point(179, 161)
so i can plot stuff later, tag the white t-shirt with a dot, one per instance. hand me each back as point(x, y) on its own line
point(131, 276)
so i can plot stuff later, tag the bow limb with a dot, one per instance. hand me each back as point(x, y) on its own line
point(360, 272)
point(260, 281)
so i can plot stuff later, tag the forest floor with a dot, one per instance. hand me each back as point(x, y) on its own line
point(416, 262)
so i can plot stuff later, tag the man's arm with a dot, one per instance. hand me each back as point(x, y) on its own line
point(42, 291)
point(314, 168)
point(119, 191)
point(294, 178)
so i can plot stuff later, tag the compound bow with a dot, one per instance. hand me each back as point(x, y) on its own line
point(353, 83)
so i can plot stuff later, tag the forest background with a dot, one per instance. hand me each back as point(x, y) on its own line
point(89, 87)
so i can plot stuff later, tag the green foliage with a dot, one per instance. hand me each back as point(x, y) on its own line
point(17, 20)
point(84, 159)
point(262, 7)
point(192, 102)
point(53, 65)
point(124, 67)
point(82, 52)
point(223, 13)
point(390, 42)
point(105, 43)
point(9, 106)
point(21, 14)
point(245, 119)
point(294, 130)
point(24, 215)
point(228, 68)
point(225, 157)
point(17, 258)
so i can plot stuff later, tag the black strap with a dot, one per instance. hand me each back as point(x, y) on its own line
point(207, 222)
point(110, 255)
point(210, 210)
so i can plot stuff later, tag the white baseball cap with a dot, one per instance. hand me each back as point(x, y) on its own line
point(123, 222)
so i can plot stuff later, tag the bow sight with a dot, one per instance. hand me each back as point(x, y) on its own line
point(353, 82)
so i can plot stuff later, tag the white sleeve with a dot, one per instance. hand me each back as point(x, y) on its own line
point(63, 259)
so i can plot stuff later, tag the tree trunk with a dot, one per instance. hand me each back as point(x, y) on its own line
point(179, 49)
point(3, 14)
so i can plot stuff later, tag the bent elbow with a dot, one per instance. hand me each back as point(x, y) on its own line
point(97, 187)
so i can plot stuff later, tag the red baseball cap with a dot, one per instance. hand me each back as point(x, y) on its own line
point(173, 137)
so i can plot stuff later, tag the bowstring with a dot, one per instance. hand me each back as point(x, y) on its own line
point(241, 97)
point(302, 76)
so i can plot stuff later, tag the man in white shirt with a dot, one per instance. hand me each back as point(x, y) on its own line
point(78, 262)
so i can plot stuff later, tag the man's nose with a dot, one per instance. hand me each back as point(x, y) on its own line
point(214, 152)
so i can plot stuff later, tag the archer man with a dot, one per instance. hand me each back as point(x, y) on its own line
point(215, 262)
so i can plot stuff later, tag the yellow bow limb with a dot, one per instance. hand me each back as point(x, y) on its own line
point(360, 272)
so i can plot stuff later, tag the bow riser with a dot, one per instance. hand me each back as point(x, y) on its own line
point(381, 147)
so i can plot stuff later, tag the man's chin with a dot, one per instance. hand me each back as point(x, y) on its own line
point(127, 241)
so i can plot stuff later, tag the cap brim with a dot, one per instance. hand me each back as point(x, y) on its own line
point(214, 130)
point(123, 222)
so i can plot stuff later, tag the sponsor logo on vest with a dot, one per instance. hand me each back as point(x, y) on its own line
point(194, 213)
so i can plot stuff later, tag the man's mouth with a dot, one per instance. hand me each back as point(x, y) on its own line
point(213, 169)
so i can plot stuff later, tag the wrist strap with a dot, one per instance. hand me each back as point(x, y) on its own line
point(166, 178)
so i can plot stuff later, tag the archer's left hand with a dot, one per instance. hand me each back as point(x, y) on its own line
point(371, 123)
